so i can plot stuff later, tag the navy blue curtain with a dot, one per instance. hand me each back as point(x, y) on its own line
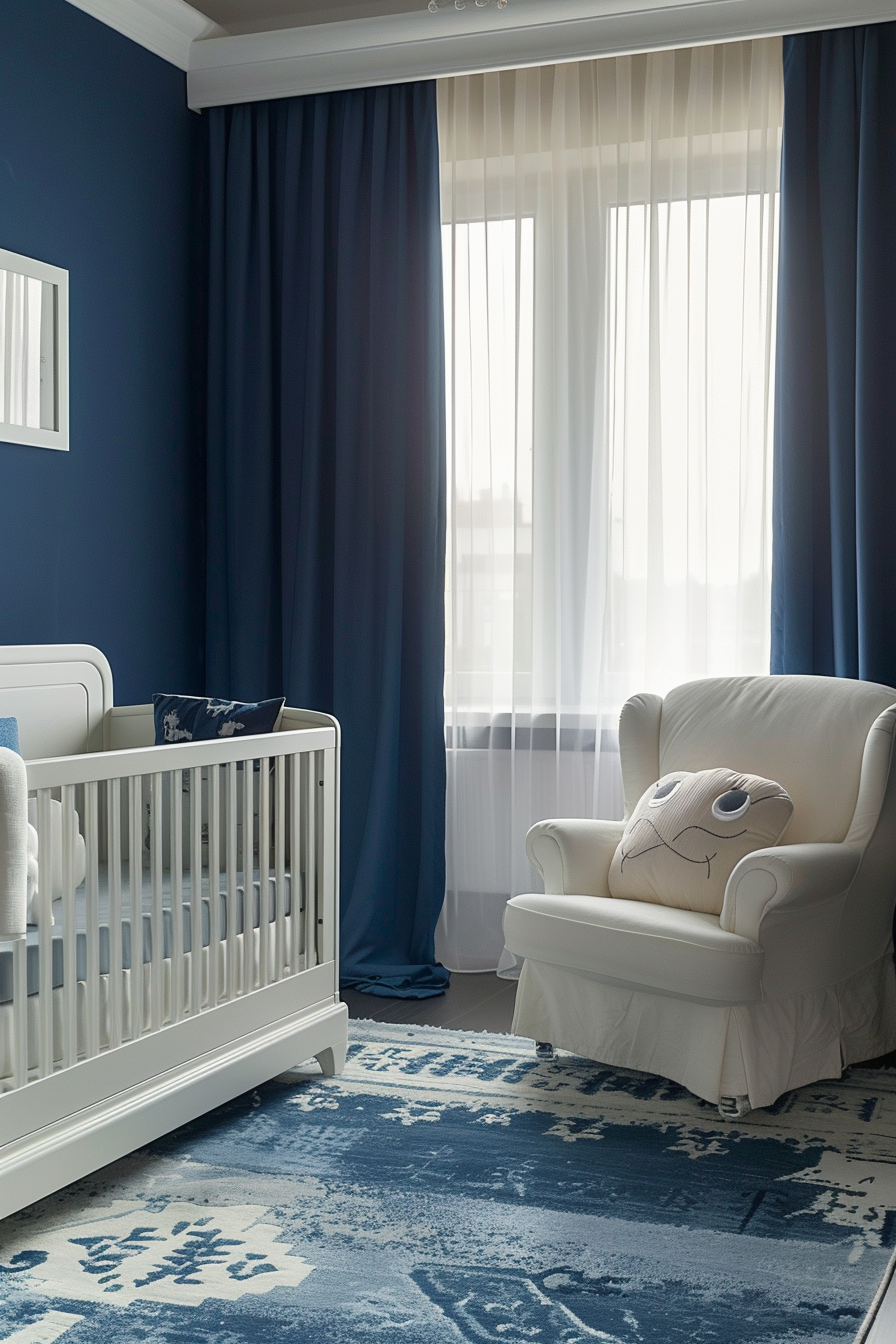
point(326, 476)
point(834, 576)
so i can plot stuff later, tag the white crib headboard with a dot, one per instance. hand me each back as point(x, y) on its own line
point(59, 693)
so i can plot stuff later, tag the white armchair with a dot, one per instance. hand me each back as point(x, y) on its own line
point(795, 979)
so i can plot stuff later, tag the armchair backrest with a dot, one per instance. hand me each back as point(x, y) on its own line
point(808, 733)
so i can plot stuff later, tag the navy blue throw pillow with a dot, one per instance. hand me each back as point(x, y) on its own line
point(9, 735)
point(199, 718)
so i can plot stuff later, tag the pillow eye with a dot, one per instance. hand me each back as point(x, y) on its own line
point(664, 792)
point(731, 805)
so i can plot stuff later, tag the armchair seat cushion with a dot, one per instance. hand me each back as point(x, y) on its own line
point(683, 953)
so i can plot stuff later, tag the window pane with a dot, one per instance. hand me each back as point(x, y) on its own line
point(489, 308)
point(691, 322)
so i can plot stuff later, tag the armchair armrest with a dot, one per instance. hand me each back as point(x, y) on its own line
point(782, 878)
point(574, 855)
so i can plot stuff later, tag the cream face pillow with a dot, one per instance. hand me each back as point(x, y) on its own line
point(688, 832)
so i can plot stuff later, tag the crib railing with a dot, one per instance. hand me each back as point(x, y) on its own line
point(210, 873)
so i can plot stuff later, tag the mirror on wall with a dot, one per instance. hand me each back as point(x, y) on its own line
point(33, 352)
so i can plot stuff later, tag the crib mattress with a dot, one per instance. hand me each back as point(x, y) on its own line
point(58, 942)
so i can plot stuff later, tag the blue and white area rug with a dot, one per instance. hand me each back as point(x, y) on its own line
point(449, 1187)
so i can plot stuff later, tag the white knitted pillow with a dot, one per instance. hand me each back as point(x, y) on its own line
point(52, 866)
point(13, 843)
point(688, 832)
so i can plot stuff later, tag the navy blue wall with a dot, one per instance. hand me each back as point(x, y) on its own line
point(100, 545)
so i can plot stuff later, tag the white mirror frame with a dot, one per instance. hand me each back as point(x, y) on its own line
point(54, 275)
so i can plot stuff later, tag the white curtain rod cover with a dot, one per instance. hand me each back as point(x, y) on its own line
point(398, 48)
point(609, 234)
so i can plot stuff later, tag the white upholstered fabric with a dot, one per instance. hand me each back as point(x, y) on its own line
point(758, 1050)
point(575, 854)
point(681, 952)
point(808, 733)
point(795, 978)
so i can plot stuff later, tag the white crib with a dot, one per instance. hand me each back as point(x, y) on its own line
point(112, 1029)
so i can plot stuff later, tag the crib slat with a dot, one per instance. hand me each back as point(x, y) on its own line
point(20, 1011)
point(113, 860)
point(301, 765)
point(45, 936)
point(315, 927)
point(196, 891)
point(214, 884)
point(156, 858)
point(70, 942)
point(325, 914)
point(313, 842)
point(176, 813)
point(248, 773)
point(92, 911)
point(232, 896)
point(312, 789)
point(264, 870)
point(135, 900)
point(280, 868)
point(297, 856)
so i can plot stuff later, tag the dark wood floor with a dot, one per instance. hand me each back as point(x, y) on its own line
point(471, 1003)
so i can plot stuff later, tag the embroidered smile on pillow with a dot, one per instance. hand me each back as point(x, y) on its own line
point(690, 830)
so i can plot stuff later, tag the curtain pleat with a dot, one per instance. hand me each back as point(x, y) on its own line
point(610, 232)
point(834, 588)
point(326, 469)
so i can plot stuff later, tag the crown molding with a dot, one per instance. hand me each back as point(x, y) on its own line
point(396, 48)
point(391, 49)
point(166, 27)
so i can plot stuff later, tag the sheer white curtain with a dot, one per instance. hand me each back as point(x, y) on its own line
point(609, 241)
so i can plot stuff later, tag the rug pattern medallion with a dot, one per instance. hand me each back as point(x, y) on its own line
point(450, 1189)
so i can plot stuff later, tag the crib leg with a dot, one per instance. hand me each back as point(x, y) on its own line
point(332, 1060)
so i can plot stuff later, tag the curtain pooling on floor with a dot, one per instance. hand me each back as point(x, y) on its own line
point(326, 476)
